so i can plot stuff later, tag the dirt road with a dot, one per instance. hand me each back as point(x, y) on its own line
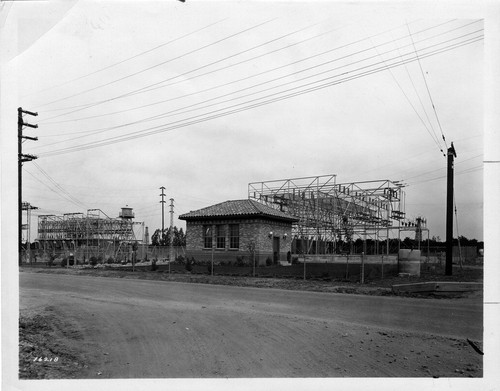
point(145, 329)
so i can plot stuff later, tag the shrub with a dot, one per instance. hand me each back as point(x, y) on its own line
point(154, 267)
point(110, 260)
point(179, 259)
point(93, 261)
point(269, 261)
point(64, 262)
point(189, 267)
point(240, 261)
point(295, 260)
point(100, 259)
point(289, 257)
point(209, 268)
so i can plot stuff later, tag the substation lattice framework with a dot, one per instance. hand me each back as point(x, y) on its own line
point(93, 229)
point(329, 210)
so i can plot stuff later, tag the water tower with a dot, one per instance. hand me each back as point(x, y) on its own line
point(126, 213)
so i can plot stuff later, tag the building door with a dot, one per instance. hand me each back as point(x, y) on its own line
point(276, 249)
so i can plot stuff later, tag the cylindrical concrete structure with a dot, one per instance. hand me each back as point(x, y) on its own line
point(409, 262)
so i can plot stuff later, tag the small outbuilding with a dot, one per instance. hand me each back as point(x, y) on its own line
point(239, 230)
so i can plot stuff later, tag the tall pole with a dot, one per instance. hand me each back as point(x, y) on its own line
point(162, 202)
point(20, 159)
point(449, 212)
point(171, 256)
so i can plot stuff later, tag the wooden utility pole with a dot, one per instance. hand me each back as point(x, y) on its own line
point(21, 158)
point(449, 212)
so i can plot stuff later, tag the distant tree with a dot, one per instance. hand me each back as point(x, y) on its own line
point(177, 234)
point(160, 239)
point(436, 240)
point(408, 243)
point(179, 237)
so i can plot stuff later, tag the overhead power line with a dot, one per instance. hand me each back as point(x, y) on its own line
point(433, 135)
point(465, 171)
point(129, 58)
point(442, 168)
point(154, 86)
point(275, 79)
point(147, 89)
point(250, 104)
point(428, 92)
point(60, 190)
point(162, 128)
point(161, 63)
point(161, 84)
point(361, 70)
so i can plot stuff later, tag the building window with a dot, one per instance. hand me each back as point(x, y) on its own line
point(234, 236)
point(221, 236)
point(207, 236)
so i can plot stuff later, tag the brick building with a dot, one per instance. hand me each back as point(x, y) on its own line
point(231, 229)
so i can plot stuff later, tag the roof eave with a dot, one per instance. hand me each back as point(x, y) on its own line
point(239, 217)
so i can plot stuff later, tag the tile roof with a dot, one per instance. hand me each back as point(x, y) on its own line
point(238, 208)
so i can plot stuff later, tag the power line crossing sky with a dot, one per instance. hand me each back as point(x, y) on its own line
point(203, 98)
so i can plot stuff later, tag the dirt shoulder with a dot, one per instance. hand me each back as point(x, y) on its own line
point(50, 346)
point(380, 287)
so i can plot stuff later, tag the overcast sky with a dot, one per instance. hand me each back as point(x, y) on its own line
point(205, 97)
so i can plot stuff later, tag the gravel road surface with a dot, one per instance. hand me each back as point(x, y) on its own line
point(158, 329)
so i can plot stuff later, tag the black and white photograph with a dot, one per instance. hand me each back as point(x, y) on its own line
point(249, 194)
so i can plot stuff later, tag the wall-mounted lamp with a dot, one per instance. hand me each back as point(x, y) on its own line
point(285, 236)
point(270, 234)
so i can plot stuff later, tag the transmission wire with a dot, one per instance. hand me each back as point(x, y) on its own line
point(162, 129)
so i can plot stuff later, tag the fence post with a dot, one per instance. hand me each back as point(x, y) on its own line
point(362, 268)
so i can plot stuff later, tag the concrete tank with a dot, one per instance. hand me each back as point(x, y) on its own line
point(409, 262)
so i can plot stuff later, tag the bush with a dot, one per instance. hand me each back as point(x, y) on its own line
point(64, 262)
point(269, 261)
point(154, 267)
point(295, 260)
point(93, 261)
point(209, 268)
point(189, 267)
point(110, 260)
point(240, 261)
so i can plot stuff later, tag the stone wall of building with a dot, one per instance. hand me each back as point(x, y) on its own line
point(256, 232)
